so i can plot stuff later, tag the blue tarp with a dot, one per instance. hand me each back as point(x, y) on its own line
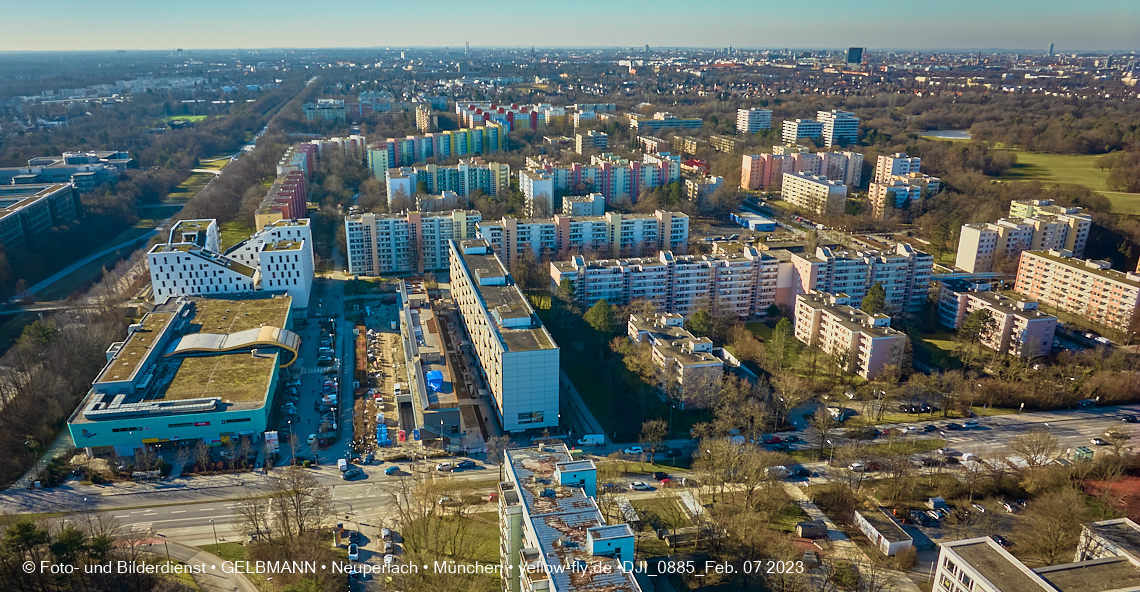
point(434, 379)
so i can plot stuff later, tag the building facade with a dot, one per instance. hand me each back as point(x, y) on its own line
point(1018, 327)
point(593, 204)
point(591, 140)
point(742, 284)
point(887, 166)
point(464, 179)
point(411, 242)
point(663, 120)
point(981, 245)
point(750, 121)
point(702, 187)
point(904, 273)
point(85, 170)
point(685, 360)
point(610, 175)
point(412, 150)
point(862, 343)
point(1087, 288)
point(815, 194)
point(838, 128)
point(886, 198)
point(515, 355)
point(764, 171)
point(32, 209)
point(326, 109)
point(794, 129)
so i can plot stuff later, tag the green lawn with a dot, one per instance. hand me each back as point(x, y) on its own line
point(660, 513)
point(936, 348)
point(192, 118)
point(900, 446)
point(186, 189)
point(233, 232)
point(1079, 169)
point(1123, 203)
point(761, 330)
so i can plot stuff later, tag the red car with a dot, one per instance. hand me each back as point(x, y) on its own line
point(772, 440)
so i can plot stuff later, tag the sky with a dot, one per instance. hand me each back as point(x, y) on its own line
point(877, 24)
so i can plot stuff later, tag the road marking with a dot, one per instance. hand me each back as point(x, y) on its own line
point(178, 512)
point(205, 509)
point(151, 514)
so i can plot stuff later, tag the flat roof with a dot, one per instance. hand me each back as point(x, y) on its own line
point(505, 301)
point(886, 527)
point(283, 245)
point(1098, 575)
point(1079, 264)
point(237, 378)
point(135, 348)
point(997, 567)
point(1121, 532)
point(214, 315)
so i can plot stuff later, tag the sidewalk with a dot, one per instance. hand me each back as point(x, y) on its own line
point(59, 447)
point(842, 546)
point(579, 408)
point(213, 578)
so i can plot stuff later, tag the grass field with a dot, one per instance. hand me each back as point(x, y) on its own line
point(234, 232)
point(1078, 169)
point(193, 118)
point(937, 349)
point(760, 330)
point(186, 189)
point(1123, 203)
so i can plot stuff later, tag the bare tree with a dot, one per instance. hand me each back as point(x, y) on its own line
point(496, 446)
point(1052, 525)
point(653, 433)
point(253, 516)
point(202, 455)
point(1038, 447)
point(300, 504)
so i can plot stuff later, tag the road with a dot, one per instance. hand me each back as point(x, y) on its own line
point(59, 275)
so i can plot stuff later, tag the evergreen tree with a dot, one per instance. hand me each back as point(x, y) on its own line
point(875, 301)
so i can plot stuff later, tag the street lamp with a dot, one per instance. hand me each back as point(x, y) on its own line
point(85, 510)
point(832, 457)
point(215, 528)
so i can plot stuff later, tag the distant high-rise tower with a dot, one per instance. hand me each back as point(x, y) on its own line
point(855, 55)
point(646, 48)
point(1050, 50)
point(467, 50)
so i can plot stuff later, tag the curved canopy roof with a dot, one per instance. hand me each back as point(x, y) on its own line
point(242, 340)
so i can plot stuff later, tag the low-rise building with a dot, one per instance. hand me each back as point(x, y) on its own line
point(698, 188)
point(1088, 288)
point(1016, 327)
point(410, 242)
point(652, 144)
point(861, 343)
point(982, 565)
point(883, 532)
point(30, 210)
point(194, 369)
point(85, 170)
point(591, 140)
point(515, 355)
point(754, 222)
point(726, 144)
point(549, 519)
point(685, 360)
point(814, 194)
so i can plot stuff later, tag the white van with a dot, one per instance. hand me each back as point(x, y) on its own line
point(342, 464)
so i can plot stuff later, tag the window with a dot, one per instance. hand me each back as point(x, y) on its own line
point(237, 420)
point(181, 425)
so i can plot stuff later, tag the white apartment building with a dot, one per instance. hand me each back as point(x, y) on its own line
point(890, 165)
point(612, 233)
point(492, 179)
point(538, 188)
point(839, 128)
point(866, 342)
point(1087, 288)
point(1019, 328)
point(515, 354)
point(794, 129)
point(815, 194)
point(742, 284)
point(890, 196)
point(702, 187)
point(549, 519)
point(980, 245)
point(904, 273)
point(278, 258)
point(686, 360)
point(593, 204)
point(591, 140)
point(412, 242)
point(750, 121)
point(663, 120)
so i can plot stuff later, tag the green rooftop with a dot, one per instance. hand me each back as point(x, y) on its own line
point(238, 315)
point(135, 348)
point(238, 377)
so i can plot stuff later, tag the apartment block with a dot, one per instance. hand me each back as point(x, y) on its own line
point(742, 283)
point(326, 109)
point(815, 194)
point(1029, 208)
point(277, 258)
point(538, 189)
point(807, 163)
point(591, 140)
point(512, 116)
point(1106, 559)
point(28, 210)
point(1088, 288)
point(549, 519)
point(839, 128)
point(287, 199)
point(663, 120)
point(411, 242)
point(701, 187)
point(425, 121)
point(750, 121)
point(789, 149)
point(726, 144)
point(613, 233)
point(652, 144)
point(764, 171)
point(904, 273)
point(842, 166)
point(464, 178)
point(299, 157)
point(577, 206)
point(888, 166)
point(686, 360)
point(86, 170)
point(887, 197)
point(794, 129)
point(688, 144)
point(866, 342)
point(412, 150)
point(980, 245)
point(1019, 329)
point(514, 353)
point(610, 175)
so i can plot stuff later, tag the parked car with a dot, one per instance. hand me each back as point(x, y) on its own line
point(857, 467)
point(633, 450)
point(392, 470)
point(660, 476)
point(354, 537)
point(930, 428)
point(979, 507)
point(1129, 418)
point(792, 439)
point(389, 559)
point(933, 515)
point(640, 486)
point(673, 453)
point(353, 552)
point(1001, 541)
point(444, 466)
point(970, 424)
point(772, 440)
point(465, 464)
point(1100, 441)
point(953, 426)
point(386, 534)
point(351, 473)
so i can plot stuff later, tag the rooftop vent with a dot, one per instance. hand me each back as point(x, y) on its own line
point(548, 492)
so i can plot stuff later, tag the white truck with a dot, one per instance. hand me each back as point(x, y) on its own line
point(342, 464)
point(592, 440)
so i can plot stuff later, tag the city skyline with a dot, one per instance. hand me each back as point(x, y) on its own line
point(1012, 25)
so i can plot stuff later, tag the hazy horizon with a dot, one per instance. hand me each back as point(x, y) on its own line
point(141, 25)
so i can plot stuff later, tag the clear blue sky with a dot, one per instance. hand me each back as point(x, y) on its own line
point(921, 24)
